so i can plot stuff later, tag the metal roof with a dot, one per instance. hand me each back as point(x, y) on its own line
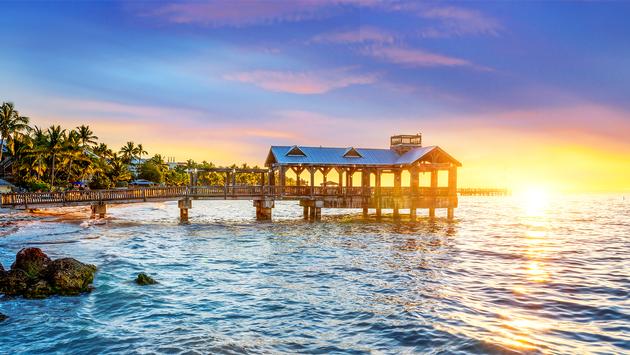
point(335, 156)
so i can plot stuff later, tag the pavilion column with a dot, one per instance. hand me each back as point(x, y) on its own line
point(397, 196)
point(282, 176)
point(340, 174)
point(377, 182)
point(365, 184)
point(434, 185)
point(312, 170)
point(452, 192)
point(413, 185)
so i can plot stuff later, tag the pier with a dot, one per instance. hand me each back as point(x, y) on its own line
point(406, 154)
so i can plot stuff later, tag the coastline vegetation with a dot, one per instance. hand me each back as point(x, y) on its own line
point(58, 158)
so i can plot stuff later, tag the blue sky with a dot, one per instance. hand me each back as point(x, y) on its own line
point(344, 72)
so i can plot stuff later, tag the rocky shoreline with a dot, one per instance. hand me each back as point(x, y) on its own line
point(35, 275)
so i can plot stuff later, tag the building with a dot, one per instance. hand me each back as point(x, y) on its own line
point(405, 153)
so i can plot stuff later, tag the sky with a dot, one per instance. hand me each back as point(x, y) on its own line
point(522, 93)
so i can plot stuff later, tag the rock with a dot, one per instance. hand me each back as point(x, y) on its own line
point(3, 317)
point(32, 261)
point(40, 289)
point(14, 283)
point(144, 279)
point(70, 277)
point(1, 268)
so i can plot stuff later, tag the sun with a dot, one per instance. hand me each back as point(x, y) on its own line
point(534, 200)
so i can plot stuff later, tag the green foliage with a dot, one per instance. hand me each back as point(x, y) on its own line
point(151, 171)
point(176, 177)
point(38, 185)
point(100, 181)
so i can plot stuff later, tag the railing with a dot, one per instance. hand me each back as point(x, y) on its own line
point(200, 192)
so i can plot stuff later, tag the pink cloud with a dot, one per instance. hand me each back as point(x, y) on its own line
point(413, 57)
point(457, 21)
point(305, 83)
point(243, 13)
point(359, 35)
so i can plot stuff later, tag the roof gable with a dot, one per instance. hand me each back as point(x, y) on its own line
point(352, 153)
point(295, 151)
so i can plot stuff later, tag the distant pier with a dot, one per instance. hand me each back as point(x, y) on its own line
point(466, 191)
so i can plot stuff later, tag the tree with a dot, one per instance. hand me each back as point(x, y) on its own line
point(11, 124)
point(128, 152)
point(152, 172)
point(54, 145)
point(86, 136)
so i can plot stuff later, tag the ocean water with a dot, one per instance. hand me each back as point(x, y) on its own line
point(509, 275)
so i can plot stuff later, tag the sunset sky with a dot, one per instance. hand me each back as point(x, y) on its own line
point(524, 94)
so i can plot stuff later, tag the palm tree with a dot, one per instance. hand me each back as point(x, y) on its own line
point(86, 136)
point(140, 151)
point(54, 145)
point(103, 151)
point(128, 152)
point(11, 123)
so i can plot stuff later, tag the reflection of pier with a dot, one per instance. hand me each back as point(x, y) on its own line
point(405, 155)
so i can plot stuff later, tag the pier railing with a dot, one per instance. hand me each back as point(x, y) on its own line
point(79, 197)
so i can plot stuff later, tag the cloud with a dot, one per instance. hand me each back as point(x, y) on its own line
point(304, 83)
point(360, 35)
point(413, 57)
point(237, 13)
point(456, 21)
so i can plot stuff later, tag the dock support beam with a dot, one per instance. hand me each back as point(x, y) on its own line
point(312, 209)
point(263, 209)
point(184, 205)
point(98, 209)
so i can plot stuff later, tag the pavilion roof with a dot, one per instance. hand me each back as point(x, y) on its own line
point(295, 155)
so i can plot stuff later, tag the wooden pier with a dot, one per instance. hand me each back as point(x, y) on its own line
point(405, 155)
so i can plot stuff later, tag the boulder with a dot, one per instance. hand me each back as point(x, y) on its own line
point(14, 283)
point(32, 261)
point(144, 279)
point(70, 277)
point(3, 317)
point(39, 289)
point(1, 268)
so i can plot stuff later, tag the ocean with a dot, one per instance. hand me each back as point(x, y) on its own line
point(508, 275)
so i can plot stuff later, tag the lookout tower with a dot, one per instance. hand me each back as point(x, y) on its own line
point(402, 143)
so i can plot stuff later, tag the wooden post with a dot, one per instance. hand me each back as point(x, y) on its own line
point(434, 184)
point(283, 179)
point(413, 185)
point(184, 205)
point(452, 192)
point(98, 210)
point(306, 212)
point(397, 197)
point(312, 170)
point(340, 174)
point(263, 209)
point(378, 193)
point(365, 185)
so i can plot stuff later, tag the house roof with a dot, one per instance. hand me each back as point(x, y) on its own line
point(6, 183)
point(368, 156)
